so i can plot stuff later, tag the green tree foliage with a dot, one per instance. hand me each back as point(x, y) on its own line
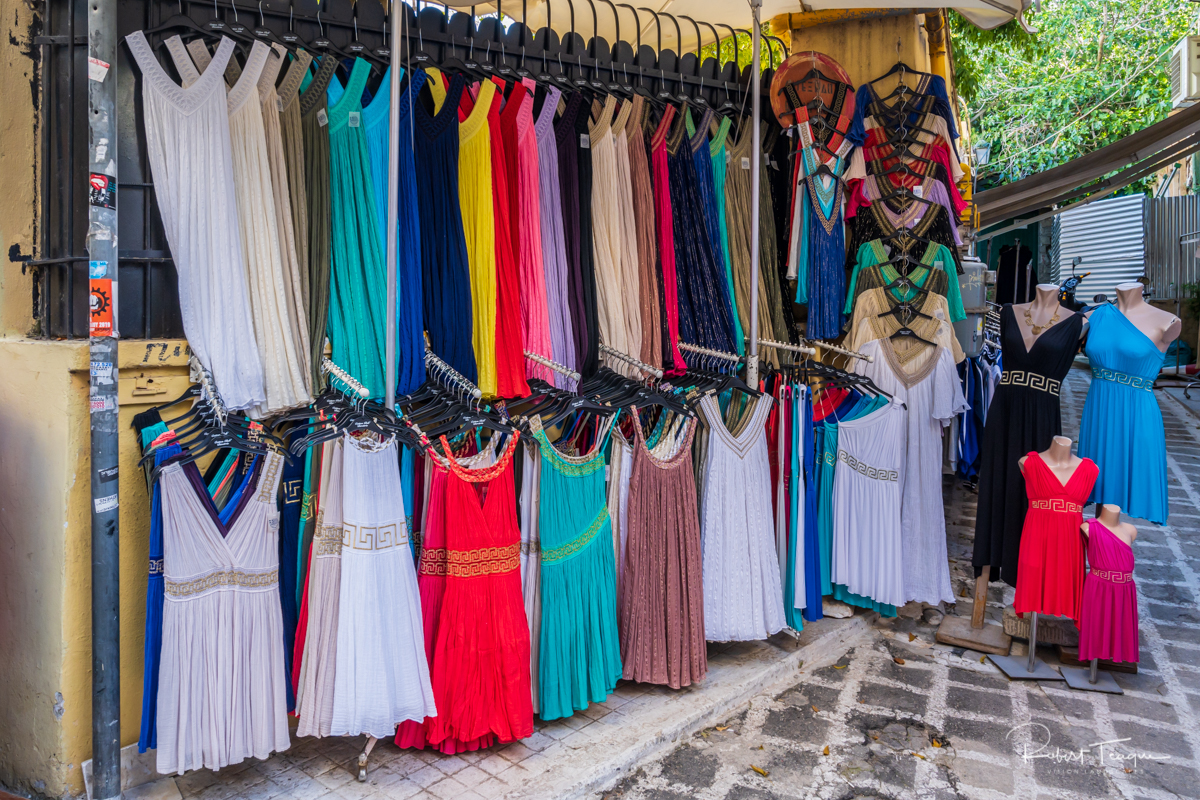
point(1096, 71)
point(744, 49)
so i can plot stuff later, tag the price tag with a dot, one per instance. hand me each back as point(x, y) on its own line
point(918, 191)
point(322, 117)
point(355, 119)
point(97, 69)
point(585, 141)
point(745, 162)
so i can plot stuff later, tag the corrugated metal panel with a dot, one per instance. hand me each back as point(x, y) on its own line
point(1169, 264)
point(1109, 236)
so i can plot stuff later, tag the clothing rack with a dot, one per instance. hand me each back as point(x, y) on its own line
point(792, 348)
point(449, 377)
point(628, 359)
point(835, 348)
point(553, 365)
point(330, 368)
point(705, 351)
point(208, 389)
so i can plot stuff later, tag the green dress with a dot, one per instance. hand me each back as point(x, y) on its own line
point(358, 279)
point(315, 130)
point(580, 652)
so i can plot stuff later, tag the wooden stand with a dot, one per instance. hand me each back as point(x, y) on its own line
point(1027, 669)
point(976, 634)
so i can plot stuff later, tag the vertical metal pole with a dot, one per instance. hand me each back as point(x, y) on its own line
point(102, 273)
point(755, 159)
point(393, 209)
point(1032, 642)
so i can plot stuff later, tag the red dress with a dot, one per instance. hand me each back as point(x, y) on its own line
point(1050, 565)
point(476, 634)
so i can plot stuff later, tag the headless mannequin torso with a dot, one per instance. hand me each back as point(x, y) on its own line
point(1044, 311)
point(1161, 327)
point(1110, 518)
point(1059, 458)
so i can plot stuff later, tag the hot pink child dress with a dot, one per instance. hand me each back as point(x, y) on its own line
point(1109, 625)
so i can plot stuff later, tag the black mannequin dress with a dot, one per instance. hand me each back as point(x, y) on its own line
point(1024, 416)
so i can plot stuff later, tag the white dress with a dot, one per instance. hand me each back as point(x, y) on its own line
point(743, 598)
point(222, 691)
point(531, 555)
point(382, 676)
point(934, 397)
point(314, 699)
point(190, 153)
point(868, 545)
point(284, 363)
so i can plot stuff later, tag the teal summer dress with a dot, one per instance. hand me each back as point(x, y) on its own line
point(580, 652)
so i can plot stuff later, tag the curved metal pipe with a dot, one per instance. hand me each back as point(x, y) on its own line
point(638, 17)
point(657, 27)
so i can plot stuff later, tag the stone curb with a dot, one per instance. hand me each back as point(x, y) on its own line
point(617, 753)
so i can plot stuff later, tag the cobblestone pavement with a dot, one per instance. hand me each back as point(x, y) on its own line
point(904, 717)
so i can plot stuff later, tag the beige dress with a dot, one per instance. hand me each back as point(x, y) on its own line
point(867, 325)
point(606, 236)
point(631, 301)
point(284, 379)
point(222, 682)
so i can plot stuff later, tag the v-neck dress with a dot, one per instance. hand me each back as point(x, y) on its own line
point(1122, 425)
point(191, 159)
point(222, 695)
point(1024, 416)
point(743, 598)
point(1050, 568)
point(479, 232)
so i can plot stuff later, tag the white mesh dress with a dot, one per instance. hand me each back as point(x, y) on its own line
point(222, 693)
point(382, 676)
point(743, 599)
point(190, 153)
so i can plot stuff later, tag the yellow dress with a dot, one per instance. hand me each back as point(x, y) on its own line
point(479, 228)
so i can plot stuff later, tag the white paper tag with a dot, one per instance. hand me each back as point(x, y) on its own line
point(745, 162)
point(728, 158)
point(279, 104)
point(355, 119)
point(585, 141)
point(97, 69)
point(322, 117)
point(774, 164)
point(105, 503)
point(918, 191)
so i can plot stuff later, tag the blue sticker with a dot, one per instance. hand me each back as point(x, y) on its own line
point(97, 269)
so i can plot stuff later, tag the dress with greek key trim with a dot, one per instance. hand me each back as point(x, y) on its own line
point(381, 676)
point(1122, 426)
point(222, 693)
point(933, 396)
point(1024, 415)
point(1050, 569)
point(1109, 624)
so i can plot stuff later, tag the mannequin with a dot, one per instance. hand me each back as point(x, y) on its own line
point(1110, 517)
point(1160, 327)
point(1044, 312)
point(1059, 458)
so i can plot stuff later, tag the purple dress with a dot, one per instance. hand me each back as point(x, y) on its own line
point(1109, 619)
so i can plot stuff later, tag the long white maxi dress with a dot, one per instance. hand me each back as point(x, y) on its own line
point(222, 695)
point(190, 153)
point(933, 396)
point(382, 676)
point(868, 548)
point(743, 598)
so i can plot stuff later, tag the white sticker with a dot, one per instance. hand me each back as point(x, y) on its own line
point(102, 371)
point(355, 119)
point(918, 191)
point(774, 164)
point(101, 150)
point(279, 104)
point(745, 162)
point(105, 503)
point(322, 117)
point(585, 141)
point(728, 157)
point(99, 404)
point(97, 69)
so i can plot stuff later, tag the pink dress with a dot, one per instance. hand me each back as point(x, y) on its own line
point(1109, 625)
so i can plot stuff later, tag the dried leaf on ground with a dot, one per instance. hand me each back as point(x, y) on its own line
point(840, 666)
point(760, 770)
point(815, 709)
point(936, 743)
point(722, 727)
point(826, 750)
point(898, 660)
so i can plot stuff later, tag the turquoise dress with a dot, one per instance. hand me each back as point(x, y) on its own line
point(358, 279)
point(1122, 426)
point(580, 655)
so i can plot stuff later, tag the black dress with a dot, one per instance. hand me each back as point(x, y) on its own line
point(1024, 416)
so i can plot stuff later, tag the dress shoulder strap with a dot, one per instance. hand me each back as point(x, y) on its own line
point(188, 74)
point(268, 479)
point(289, 90)
point(247, 83)
point(270, 73)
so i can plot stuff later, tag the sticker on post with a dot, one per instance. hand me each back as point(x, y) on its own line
point(100, 307)
point(105, 503)
point(102, 190)
point(107, 475)
point(97, 269)
point(97, 70)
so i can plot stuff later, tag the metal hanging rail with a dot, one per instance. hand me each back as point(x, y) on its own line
point(793, 348)
point(705, 351)
point(330, 368)
point(842, 350)
point(553, 365)
point(449, 376)
point(628, 359)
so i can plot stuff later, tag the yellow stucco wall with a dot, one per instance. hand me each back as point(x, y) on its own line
point(866, 48)
point(18, 150)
